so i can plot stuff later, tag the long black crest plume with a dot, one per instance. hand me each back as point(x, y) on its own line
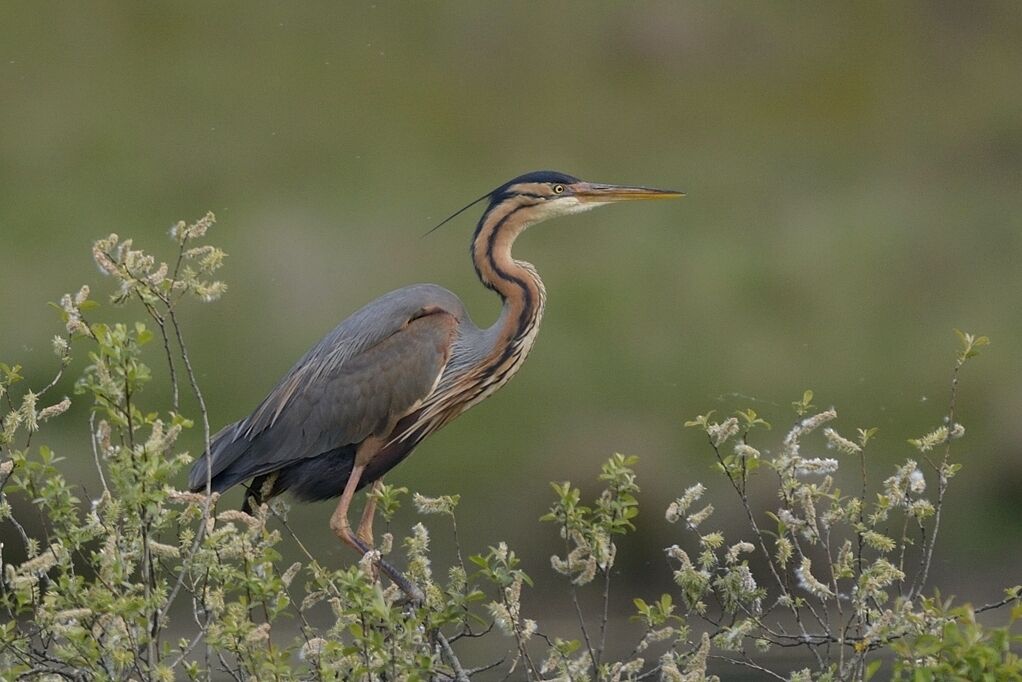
point(458, 213)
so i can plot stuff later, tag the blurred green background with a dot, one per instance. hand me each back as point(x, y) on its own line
point(854, 180)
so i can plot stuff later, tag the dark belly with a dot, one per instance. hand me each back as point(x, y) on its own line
point(324, 476)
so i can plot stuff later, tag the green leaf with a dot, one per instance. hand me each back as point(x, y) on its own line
point(803, 406)
point(750, 419)
point(970, 345)
point(866, 435)
point(781, 526)
point(700, 421)
point(11, 375)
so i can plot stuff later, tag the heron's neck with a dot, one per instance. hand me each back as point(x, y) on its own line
point(517, 282)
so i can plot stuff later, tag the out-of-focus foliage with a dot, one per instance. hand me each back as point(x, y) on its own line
point(852, 175)
point(961, 648)
point(149, 582)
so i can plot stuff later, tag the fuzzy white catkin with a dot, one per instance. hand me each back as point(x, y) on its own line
point(840, 443)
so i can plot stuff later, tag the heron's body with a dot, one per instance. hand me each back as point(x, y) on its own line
point(400, 368)
point(434, 354)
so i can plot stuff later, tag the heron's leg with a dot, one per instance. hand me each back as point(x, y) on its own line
point(339, 520)
point(259, 490)
point(342, 529)
point(365, 526)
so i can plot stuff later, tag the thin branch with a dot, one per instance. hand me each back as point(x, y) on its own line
point(585, 632)
point(998, 604)
point(747, 664)
point(484, 668)
point(920, 581)
point(472, 635)
point(95, 452)
point(459, 673)
point(162, 324)
point(606, 614)
point(211, 499)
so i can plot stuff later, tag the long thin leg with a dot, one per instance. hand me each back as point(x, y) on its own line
point(342, 529)
point(365, 526)
point(258, 491)
point(339, 520)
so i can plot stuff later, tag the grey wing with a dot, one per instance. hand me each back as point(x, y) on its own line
point(372, 370)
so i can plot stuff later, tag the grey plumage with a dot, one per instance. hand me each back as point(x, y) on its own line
point(374, 366)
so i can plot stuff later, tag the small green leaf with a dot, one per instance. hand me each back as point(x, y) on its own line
point(750, 419)
point(803, 406)
point(700, 421)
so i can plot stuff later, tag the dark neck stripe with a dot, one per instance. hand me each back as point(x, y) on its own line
point(527, 301)
point(527, 315)
point(490, 242)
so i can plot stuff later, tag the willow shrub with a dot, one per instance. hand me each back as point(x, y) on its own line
point(836, 578)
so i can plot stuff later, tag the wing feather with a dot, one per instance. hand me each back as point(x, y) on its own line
point(373, 369)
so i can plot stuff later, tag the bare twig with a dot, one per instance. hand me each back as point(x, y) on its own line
point(162, 324)
point(585, 631)
point(748, 664)
point(1011, 598)
point(919, 583)
point(483, 668)
point(606, 615)
point(459, 672)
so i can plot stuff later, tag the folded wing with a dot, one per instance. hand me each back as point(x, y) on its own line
point(373, 369)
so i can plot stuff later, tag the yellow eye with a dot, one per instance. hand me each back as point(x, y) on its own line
point(558, 189)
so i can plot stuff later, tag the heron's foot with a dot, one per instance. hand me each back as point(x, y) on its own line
point(365, 524)
point(342, 529)
point(365, 536)
point(370, 563)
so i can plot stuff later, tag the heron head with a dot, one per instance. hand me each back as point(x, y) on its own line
point(554, 194)
point(547, 194)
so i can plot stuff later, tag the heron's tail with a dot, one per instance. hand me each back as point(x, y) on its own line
point(225, 449)
point(236, 459)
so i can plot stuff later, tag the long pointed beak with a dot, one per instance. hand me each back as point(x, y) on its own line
point(596, 193)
